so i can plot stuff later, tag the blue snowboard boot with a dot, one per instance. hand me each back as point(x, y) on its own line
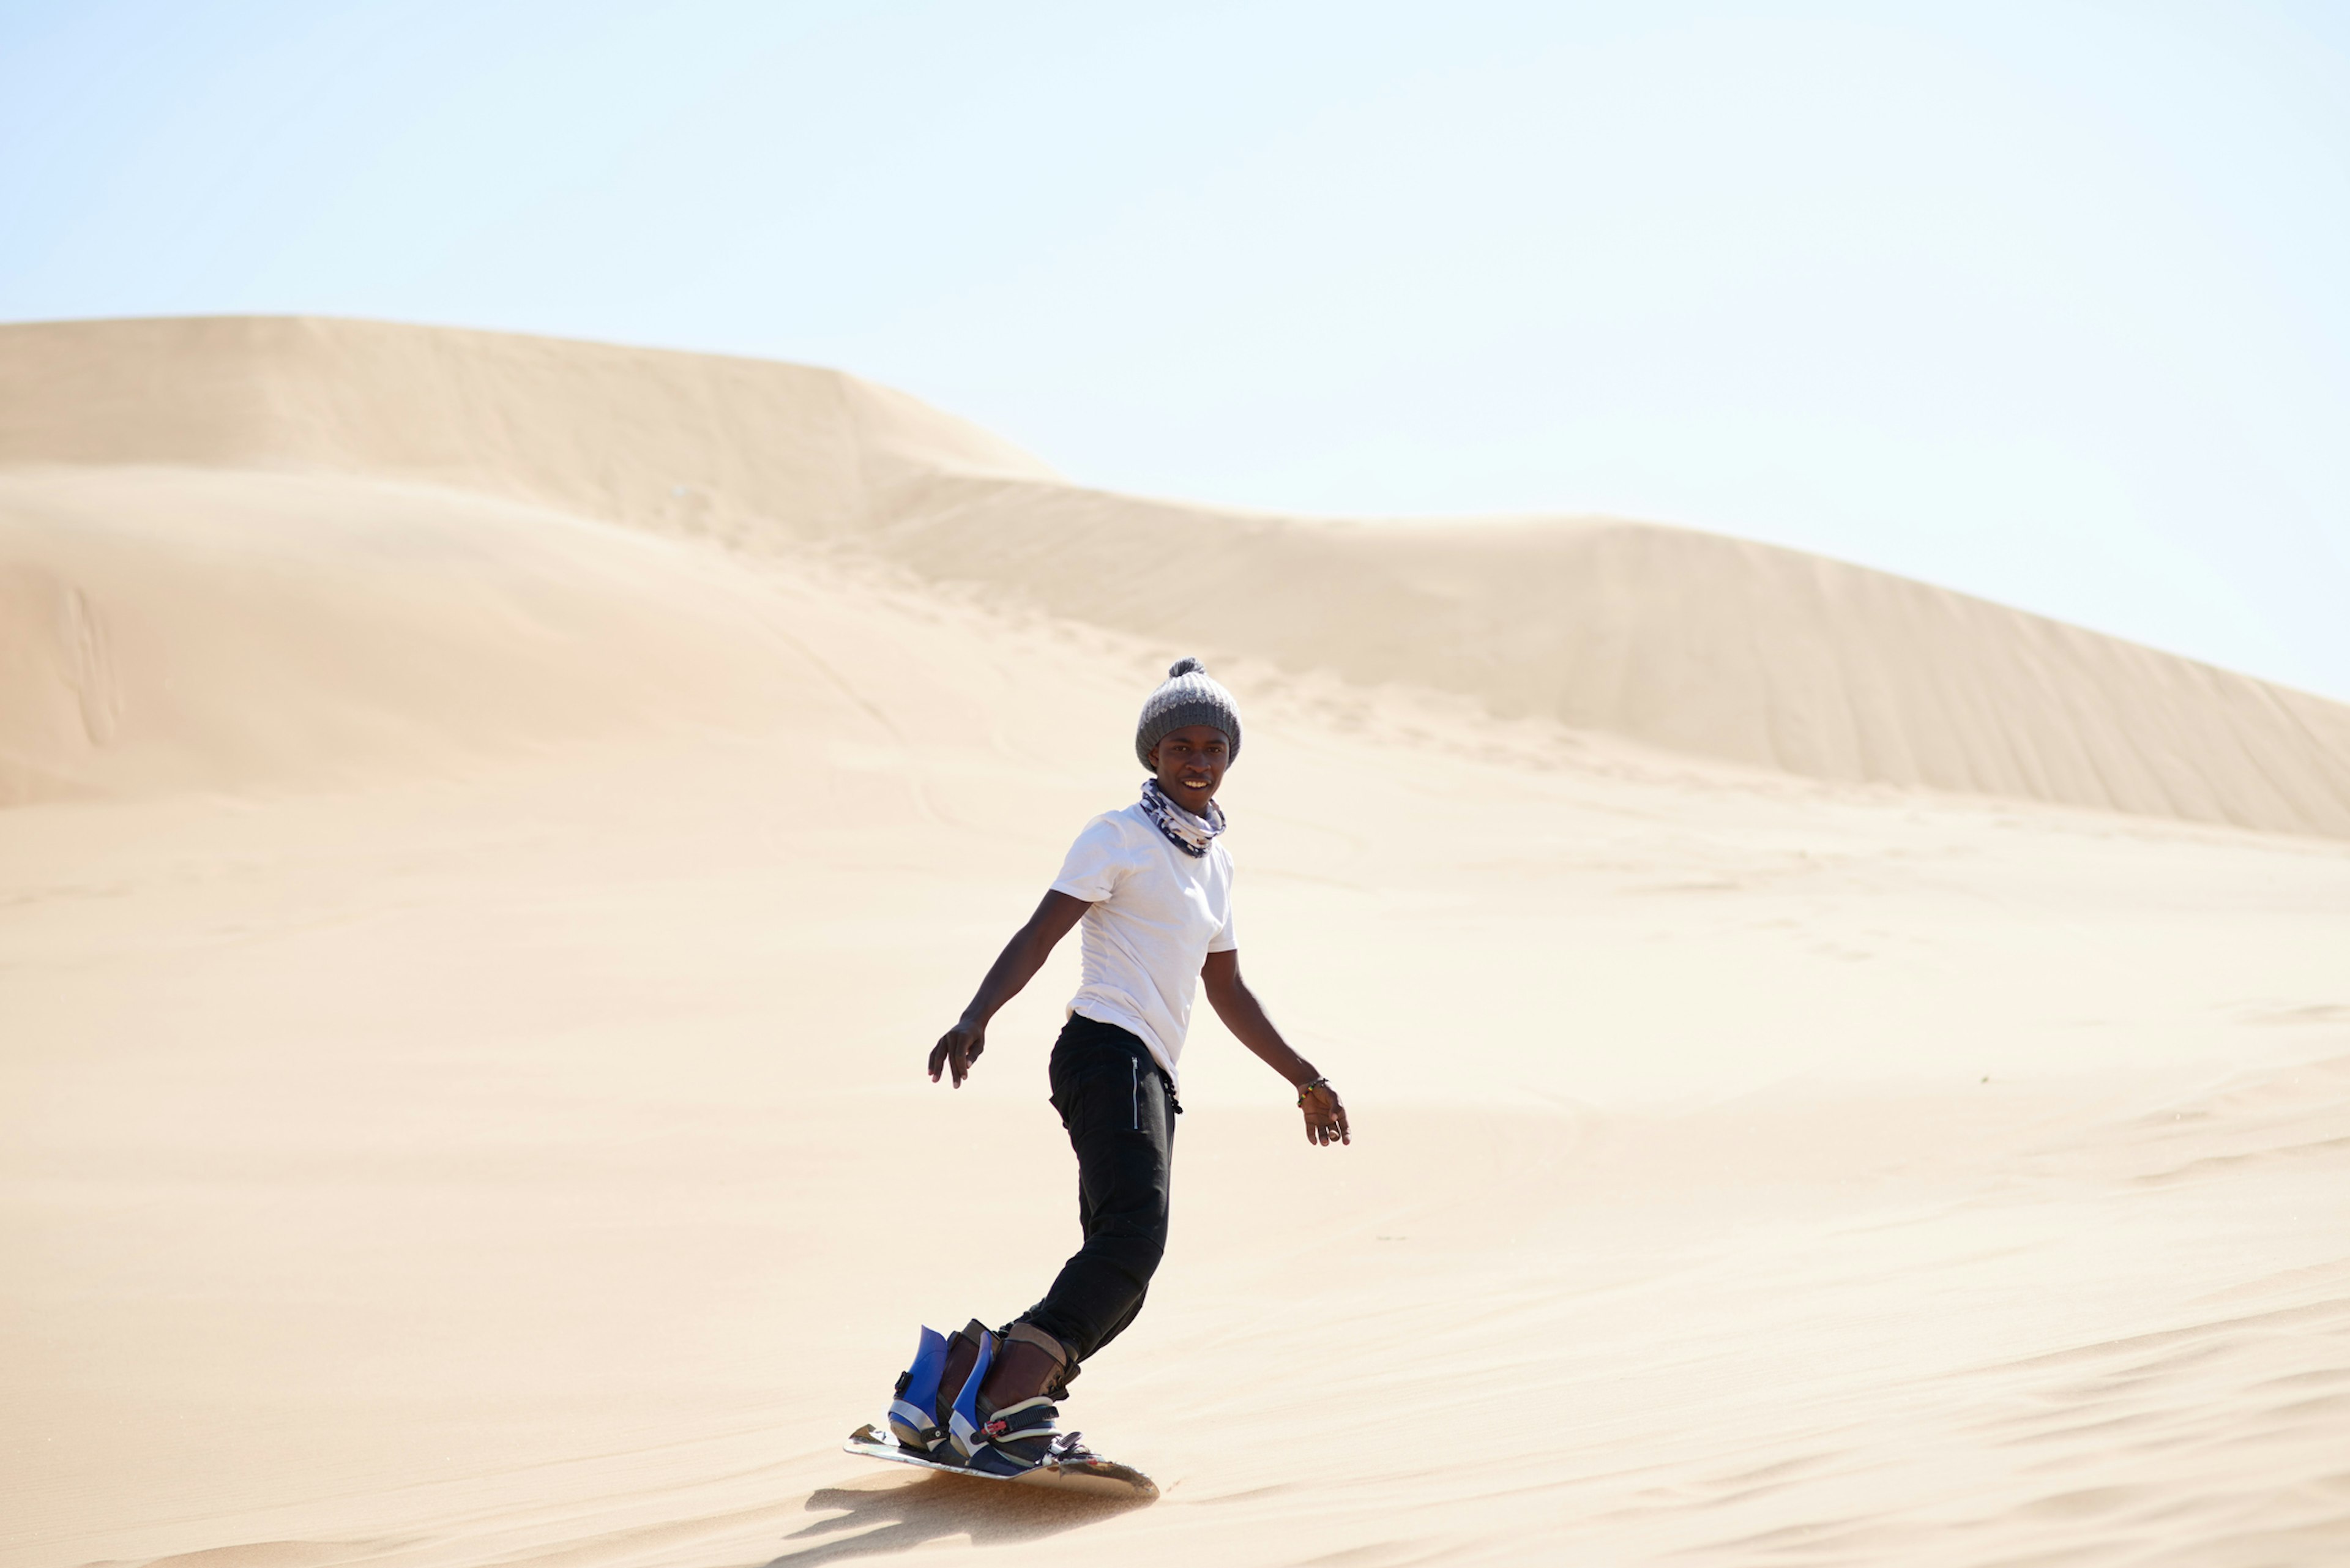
point(922, 1404)
point(913, 1419)
point(962, 1412)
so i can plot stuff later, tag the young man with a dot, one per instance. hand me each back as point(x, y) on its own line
point(1152, 889)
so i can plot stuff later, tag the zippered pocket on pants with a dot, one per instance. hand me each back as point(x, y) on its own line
point(1136, 1068)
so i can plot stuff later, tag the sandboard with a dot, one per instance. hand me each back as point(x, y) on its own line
point(1102, 1477)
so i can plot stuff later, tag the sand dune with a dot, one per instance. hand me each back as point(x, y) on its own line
point(692, 441)
point(1702, 644)
point(168, 630)
point(467, 943)
point(1711, 646)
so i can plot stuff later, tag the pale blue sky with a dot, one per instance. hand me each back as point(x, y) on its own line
point(2046, 302)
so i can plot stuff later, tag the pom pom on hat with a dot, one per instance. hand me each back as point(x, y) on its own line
point(1185, 667)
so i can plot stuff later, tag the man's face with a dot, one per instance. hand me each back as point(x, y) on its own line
point(1190, 762)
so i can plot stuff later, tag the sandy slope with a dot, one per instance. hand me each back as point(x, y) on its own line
point(686, 440)
point(1711, 646)
point(464, 966)
point(1715, 647)
point(176, 629)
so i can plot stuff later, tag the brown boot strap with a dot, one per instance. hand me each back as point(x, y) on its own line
point(1027, 1333)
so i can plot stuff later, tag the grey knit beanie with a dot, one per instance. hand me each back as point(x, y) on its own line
point(1190, 697)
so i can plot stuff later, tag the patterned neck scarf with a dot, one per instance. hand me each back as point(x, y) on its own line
point(1185, 831)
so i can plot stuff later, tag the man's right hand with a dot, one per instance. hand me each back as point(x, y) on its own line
point(1014, 967)
point(957, 1049)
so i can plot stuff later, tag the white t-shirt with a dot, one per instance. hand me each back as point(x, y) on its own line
point(1156, 915)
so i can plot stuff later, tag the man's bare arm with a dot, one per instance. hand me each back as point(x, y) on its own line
point(1014, 968)
point(1236, 1004)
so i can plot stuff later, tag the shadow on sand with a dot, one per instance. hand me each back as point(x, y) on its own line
point(900, 1518)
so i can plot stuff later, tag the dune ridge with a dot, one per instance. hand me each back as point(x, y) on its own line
point(1679, 638)
point(692, 442)
point(168, 630)
point(1695, 642)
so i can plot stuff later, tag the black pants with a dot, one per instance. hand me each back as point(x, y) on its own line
point(1120, 1111)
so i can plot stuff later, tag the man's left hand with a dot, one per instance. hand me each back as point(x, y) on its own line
point(1326, 1116)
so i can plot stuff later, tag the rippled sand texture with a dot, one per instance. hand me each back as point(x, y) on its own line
point(1845, 1074)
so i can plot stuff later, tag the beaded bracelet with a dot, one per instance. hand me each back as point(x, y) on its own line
point(1306, 1089)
